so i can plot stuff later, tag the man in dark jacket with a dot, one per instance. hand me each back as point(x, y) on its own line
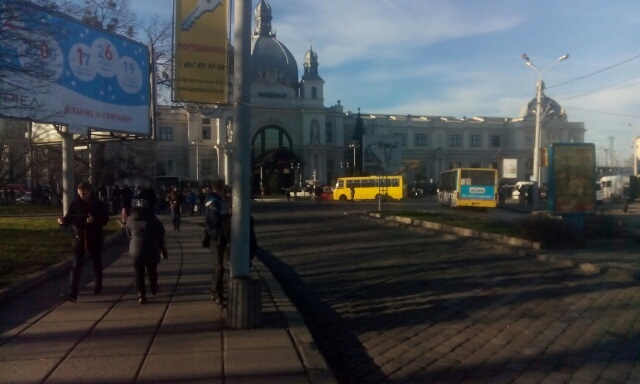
point(147, 243)
point(175, 200)
point(88, 215)
point(214, 216)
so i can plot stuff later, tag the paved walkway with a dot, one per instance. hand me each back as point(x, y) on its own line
point(179, 336)
point(449, 310)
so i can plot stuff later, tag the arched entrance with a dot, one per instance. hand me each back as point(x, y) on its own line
point(274, 163)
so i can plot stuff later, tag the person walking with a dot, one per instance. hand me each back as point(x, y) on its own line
point(88, 215)
point(127, 198)
point(353, 193)
point(214, 216)
point(146, 244)
point(191, 202)
point(201, 199)
point(626, 196)
point(175, 200)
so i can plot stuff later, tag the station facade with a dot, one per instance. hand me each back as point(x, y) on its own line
point(296, 138)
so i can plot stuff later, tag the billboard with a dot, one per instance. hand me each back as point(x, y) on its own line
point(382, 154)
point(572, 178)
point(200, 51)
point(58, 70)
point(510, 168)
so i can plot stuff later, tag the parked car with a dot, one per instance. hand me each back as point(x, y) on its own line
point(516, 188)
point(24, 199)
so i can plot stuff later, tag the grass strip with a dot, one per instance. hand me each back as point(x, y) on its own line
point(32, 244)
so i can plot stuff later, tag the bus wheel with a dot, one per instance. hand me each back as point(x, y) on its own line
point(343, 198)
point(378, 197)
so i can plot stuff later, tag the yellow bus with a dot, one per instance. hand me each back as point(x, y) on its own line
point(369, 188)
point(468, 187)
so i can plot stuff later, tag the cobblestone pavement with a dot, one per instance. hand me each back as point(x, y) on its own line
point(396, 305)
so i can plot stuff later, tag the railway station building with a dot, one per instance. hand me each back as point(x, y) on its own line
point(296, 137)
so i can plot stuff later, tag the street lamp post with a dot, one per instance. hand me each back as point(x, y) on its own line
point(635, 149)
point(354, 145)
point(197, 142)
point(536, 149)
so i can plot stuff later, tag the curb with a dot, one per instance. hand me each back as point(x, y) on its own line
point(37, 278)
point(317, 368)
point(465, 232)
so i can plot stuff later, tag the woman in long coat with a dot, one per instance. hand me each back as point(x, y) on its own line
point(146, 234)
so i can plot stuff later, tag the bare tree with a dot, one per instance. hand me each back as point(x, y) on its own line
point(13, 152)
point(110, 15)
point(158, 35)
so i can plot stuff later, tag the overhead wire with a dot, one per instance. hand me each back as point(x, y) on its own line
point(602, 112)
point(604, 89)
point(594, 73)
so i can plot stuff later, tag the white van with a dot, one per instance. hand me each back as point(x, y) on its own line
point(612, 186)
point(599, 197)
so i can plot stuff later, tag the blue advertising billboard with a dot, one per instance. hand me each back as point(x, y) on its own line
point(58, 70)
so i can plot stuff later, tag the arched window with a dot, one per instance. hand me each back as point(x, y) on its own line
point(269, 139)
point(315, 132)
point(314, 92)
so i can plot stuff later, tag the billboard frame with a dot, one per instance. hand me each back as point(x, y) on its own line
point(115, 70)
point(571, 179)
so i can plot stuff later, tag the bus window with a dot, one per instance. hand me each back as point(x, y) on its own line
point(353, 183)
point(367, 183)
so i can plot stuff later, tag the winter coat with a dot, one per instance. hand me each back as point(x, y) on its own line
point(147, 236)
point(87, 236)
point(175, 199)
point(213, 217)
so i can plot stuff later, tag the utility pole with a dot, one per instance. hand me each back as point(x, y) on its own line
point(536, 150)
point(611, 138)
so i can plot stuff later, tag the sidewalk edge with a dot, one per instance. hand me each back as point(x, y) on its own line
point(317, 368)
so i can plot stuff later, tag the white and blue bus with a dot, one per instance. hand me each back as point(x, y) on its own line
point(468, 187)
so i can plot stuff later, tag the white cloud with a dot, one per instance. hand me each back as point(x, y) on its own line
point(353, 30)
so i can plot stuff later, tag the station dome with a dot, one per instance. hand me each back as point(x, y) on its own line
point(271, 61)
point(548, 108)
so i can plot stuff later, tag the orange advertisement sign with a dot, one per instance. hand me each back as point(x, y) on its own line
point(200, 51)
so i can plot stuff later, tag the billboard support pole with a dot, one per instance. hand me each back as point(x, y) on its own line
point(245, 299)
point(68, 187)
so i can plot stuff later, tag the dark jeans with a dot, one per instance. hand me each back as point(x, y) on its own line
point(217, 283)
point(76, 270)
point(152, 270)
point(175, 215)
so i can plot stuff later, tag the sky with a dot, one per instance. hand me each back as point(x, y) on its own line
point(463, 57)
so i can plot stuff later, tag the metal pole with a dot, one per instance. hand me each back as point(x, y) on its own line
point(536, 150)
point(198, 161)
point(536, 147)
point(68, 187)
point(244, 309)
point(242, 126)
point(635, 154)
point(354, 158)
